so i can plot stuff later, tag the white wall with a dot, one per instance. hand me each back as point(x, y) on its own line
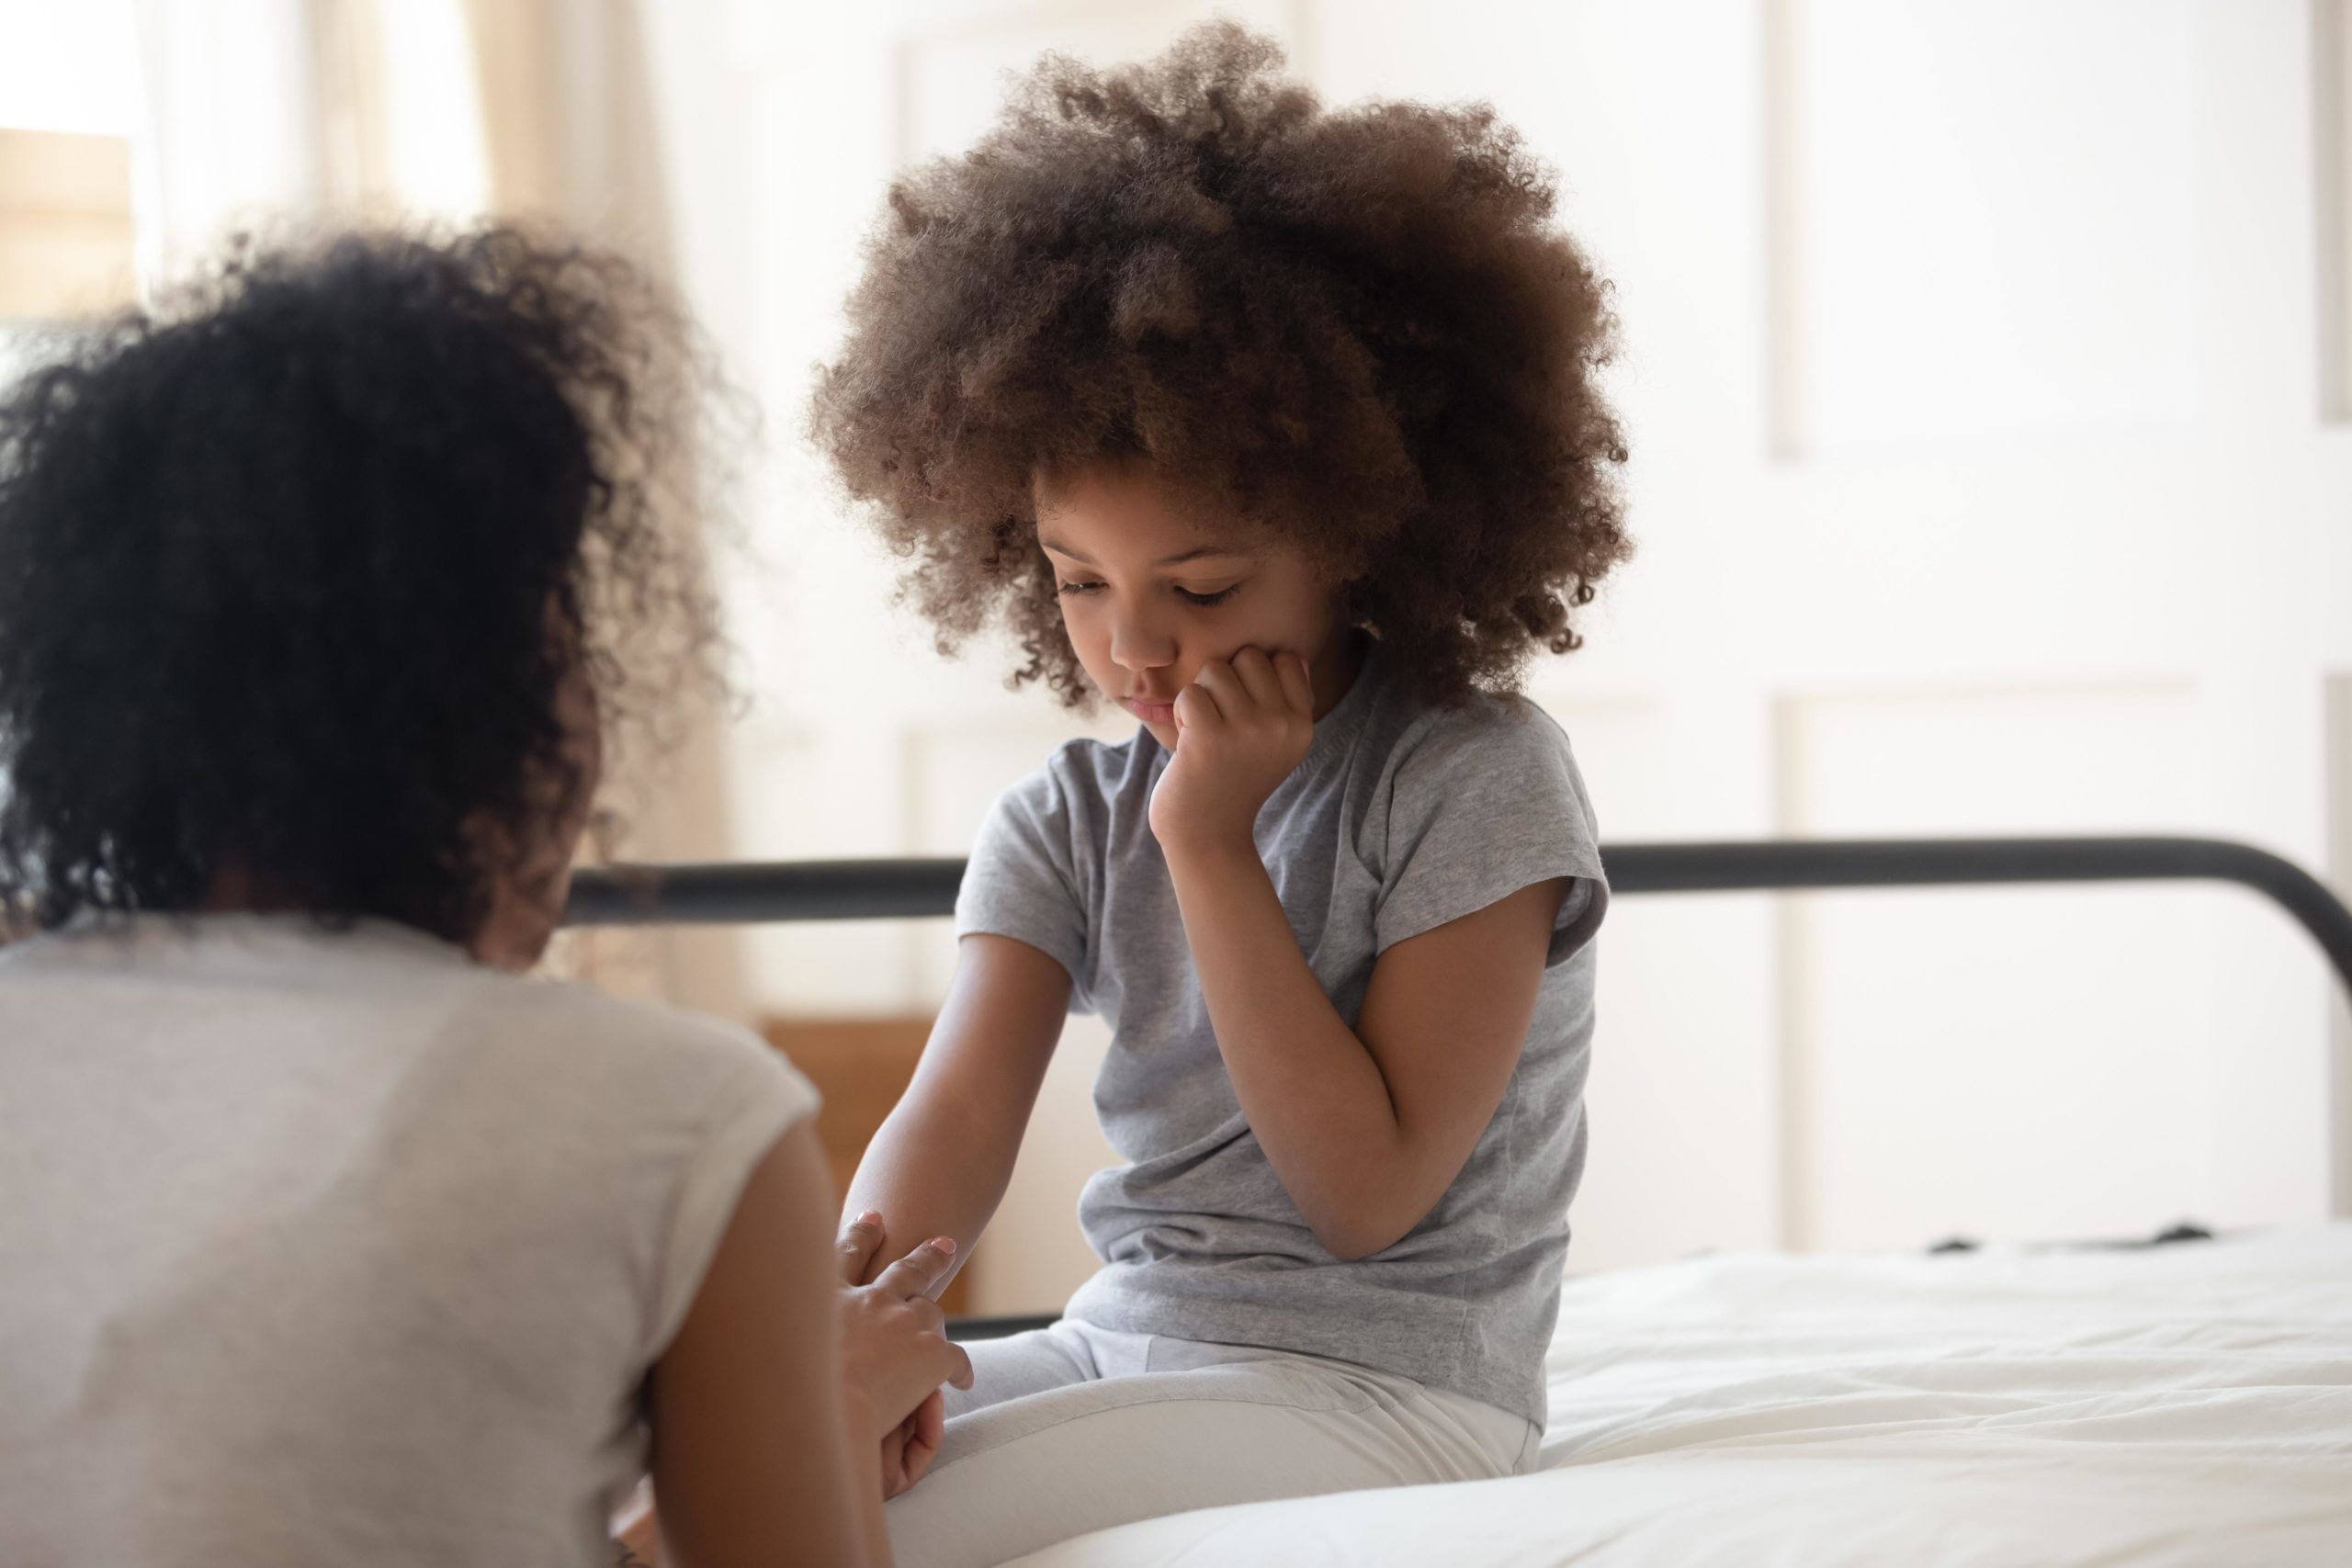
point(1978, 357)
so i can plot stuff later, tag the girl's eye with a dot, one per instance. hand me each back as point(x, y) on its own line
point(1219, 597)
point(1076, 588)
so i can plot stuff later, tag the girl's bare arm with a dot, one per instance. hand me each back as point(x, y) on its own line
point(940, 1164)
point(1366, 1127)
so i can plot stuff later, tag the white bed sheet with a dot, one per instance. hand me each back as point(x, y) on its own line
point(2188, 1405)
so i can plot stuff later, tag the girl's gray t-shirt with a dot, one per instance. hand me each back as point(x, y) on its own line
point(1402, 817)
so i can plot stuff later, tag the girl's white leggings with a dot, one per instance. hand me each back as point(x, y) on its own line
point(1075, 1428)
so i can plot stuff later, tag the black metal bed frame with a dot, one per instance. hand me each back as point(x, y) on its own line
point(731, 893)
point(898, 889)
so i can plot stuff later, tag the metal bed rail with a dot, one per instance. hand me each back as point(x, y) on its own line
point(889, 889)
point(731, 893)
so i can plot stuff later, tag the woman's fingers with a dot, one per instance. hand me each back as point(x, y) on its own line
point(914, 1360)
point(860, 1240)
point(927, 1315)
point(906, 1343)
point(930, 1421)
point(959, 1364)
point(925, 1429)
point(911, 1445)
point(920, 1272)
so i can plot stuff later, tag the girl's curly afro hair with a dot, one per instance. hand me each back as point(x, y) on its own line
point(293, 572)
point(1358, 327)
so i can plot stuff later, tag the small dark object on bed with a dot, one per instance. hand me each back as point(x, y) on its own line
point(2185, 1230)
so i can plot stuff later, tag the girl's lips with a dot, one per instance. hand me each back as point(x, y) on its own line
point(1150, 713)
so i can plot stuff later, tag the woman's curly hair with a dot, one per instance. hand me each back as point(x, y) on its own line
point(1356, 326)
point(293, 570)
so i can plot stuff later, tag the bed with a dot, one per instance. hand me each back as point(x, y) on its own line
point(2128, 1406)
point(2183, 1405)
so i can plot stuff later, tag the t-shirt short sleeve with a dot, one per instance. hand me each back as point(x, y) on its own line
point(754, 1098)
point(1486, 801)
point(1024, 880)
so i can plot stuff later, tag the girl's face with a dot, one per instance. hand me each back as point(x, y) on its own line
point(1149, 593)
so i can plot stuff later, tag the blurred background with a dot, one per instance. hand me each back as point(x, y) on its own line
point(1987, 365)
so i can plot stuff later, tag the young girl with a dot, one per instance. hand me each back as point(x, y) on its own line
point(1278, 428)
point(329, 1239)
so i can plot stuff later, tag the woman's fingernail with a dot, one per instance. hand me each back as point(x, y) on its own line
point(869, 1218)
point(945, 1243)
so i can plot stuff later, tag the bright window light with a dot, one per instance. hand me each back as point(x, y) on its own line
point(69, 67)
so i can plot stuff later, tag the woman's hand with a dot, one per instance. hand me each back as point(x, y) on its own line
point(1242, 727)
point(894, 1350)
point(909, 1447)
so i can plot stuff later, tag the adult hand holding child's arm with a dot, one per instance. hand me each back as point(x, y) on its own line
point(785, 1383)
point(895, 1355)
point(894, 1350)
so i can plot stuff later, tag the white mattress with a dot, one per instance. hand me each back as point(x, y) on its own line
point(2189, 1404)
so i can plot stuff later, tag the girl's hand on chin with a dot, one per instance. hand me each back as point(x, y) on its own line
point(1242, 727)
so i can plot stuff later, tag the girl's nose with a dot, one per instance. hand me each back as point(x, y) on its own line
point(1137, 645)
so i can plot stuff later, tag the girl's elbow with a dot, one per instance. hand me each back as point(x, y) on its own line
point(1354, 1237)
